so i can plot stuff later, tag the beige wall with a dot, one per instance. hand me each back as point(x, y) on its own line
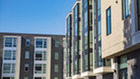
point(48, 63)
point(18, 57)
point(120, 37)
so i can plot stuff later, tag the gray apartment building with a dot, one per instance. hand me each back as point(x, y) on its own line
point(31, 56)
point(103, 40)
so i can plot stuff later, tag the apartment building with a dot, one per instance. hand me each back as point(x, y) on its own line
point(64, 59)
point(108, 41)
point(121, 36)
point(31, 56)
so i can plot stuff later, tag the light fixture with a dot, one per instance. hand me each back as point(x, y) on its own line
point(116, 1)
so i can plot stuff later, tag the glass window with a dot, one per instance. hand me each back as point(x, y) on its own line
point(44, 68)
point(56, 68)
point(40, 68)
point(26, 67)
point(12, 77)
point(14, 55)
point(108, 15)
point(56, 43)
point(40, 55)
point(37, 77)
point(6, 77)
point(56, 55)
point(123, 62)
point(86, 61)
point(27, 42)
point(10, 42)
point(27, 54)
point(6, 67)
point(25, 77)
point(13, 68)
point(107, 62)
point(43, 77)
point(125, 8)
point(55, 77)
point(123, 67)
point(41, 43)
point(9, 55)
point(138, 13)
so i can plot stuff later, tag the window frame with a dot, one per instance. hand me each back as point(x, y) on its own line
point(42, 71)
point(56, 68)
point(27, 54)
point(11, 68)
point(27, 42)
point(11, 40)
point(43, 56)
point(56, 56)
point(125, 9)
point(43, 43)
point(108, 24)
point(56, 43)
point(26, 65)
point(12, 55)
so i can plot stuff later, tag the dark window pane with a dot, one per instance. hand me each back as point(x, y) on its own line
point(38, 68)
point(6, 77)
point(37, 77)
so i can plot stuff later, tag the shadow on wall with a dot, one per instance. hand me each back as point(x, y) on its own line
point(127, 33)
point(133, 61)
point(134, 65)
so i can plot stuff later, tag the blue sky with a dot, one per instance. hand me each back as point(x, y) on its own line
point(34, 16)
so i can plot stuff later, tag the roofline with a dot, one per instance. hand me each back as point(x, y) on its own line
point(12, 33)
point(78, 1)
point(70, 13)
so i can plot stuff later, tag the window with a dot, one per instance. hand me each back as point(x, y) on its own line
point(8, 68)
point(138, 13)
point(26, 67)
point(9, 55)
point(37, 77)
point(56, 55)
point(6, 77)
point(27, 54)
point(125, 8)
point(123, 67)
point(56, 43)
point(27, 42)
point(10, 42)
point(41, 43)
point(40, 55)
point(40, 68)
point(12, 78)
point(13, 68)
point(55, 77)
point(40, 77)
point(56, 68)
point(25, 77)
point(108, 16)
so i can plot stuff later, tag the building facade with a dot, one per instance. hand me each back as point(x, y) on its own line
point(120, 36)
point(31, 56)
point(108, 44)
